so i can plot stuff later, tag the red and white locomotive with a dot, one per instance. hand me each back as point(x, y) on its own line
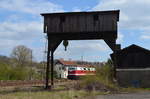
point(75, 72)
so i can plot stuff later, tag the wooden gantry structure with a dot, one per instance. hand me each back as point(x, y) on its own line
point(79, 26)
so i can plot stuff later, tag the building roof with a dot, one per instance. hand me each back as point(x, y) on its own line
point(64, 62)
point(72, 63)
point(131, 49)
point(133, 46)
point(84, 13)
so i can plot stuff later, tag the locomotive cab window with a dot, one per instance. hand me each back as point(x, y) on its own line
point(72, 68)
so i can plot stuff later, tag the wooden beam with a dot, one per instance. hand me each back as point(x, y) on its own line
point(84, 36)
point(47, 68)
point(53, 43)
point(115, 47)
point(52, 68)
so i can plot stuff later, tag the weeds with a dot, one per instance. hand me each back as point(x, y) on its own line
point(102, 80)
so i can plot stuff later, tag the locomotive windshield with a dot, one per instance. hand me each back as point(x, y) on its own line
point(72, 68)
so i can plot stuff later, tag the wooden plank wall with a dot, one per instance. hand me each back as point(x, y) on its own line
point(80, 23)
point(133, 60)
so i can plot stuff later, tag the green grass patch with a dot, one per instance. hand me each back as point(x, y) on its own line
point(132, 89)
point(68, 94)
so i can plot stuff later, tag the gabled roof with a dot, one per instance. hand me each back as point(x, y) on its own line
point(133, 46)
point(64, 62)
point(72, 63)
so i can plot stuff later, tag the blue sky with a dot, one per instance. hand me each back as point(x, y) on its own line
point(21, 24)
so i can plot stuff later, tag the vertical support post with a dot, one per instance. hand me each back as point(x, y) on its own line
point(112, 44)
point(115, 62)
point(52, 68)
point(116, 48)
point(47, 68)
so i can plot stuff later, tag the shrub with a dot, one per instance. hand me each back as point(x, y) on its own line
point(4, 71)
point(102, 80)
point(7, 72)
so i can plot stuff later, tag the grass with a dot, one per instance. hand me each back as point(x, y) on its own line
point(132, 89)
point(44, 95)
point(67, 94)
point(59, 92)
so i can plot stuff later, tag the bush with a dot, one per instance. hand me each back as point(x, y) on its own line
point(18, 73)
point(102, 80)
point(7, 72)
point(4, 71)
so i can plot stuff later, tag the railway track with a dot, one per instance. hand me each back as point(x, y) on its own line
point(27, 82)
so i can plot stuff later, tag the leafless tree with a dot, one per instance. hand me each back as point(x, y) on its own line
point(22, 55)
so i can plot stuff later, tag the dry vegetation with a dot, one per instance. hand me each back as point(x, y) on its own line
point(101, 83)
point(59, 92)
point(71, 94)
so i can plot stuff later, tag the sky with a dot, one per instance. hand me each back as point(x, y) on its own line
point(22, 24)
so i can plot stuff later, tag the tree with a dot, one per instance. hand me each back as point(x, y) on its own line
point(22, 55)
point(109, 62)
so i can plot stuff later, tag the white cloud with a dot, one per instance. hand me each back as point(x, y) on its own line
point(86, 48)
point(23, 33)
point(91, 45)
point(24, 28)
point(134, 13)
point(30, 6)
point(20, 31)
point(76, 9)
point(120, 38)
point(145, 37)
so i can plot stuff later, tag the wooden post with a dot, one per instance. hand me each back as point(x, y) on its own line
point(52, 68)
point(47, 68)
point(115, 63)
point(115, 60)
point(112, 44)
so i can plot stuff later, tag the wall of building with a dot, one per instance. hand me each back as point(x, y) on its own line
point(62, 71)
point(133, 77)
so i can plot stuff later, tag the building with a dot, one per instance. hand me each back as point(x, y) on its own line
point(72, 70)
point(133, 66)
point(62, 66)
